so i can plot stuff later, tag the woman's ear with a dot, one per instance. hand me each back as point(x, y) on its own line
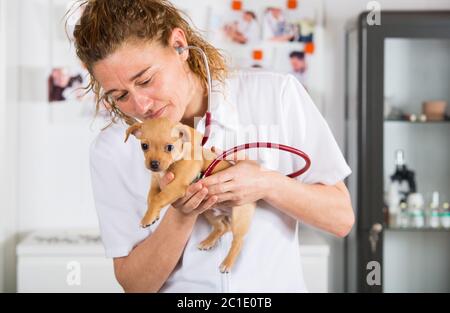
point(136, 130)
point(177, 40)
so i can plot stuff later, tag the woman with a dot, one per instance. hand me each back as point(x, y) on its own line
point(130, 49)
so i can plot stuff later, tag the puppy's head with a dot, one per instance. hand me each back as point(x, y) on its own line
point(162, 141)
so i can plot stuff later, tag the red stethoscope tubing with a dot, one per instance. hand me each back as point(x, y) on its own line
point(207, 128)
point(241, 147)
point(252, 145)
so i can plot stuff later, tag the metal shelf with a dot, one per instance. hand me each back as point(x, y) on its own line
point(425, 229)
point(418, 122)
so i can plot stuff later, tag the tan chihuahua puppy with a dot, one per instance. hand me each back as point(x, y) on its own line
point(177, 148)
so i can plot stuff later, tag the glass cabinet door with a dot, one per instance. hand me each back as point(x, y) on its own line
point(416, 167)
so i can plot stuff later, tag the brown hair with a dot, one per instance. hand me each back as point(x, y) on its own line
point(106, 24)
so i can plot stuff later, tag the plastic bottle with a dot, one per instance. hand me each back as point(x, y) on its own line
point(445, 215)
point(434, 214)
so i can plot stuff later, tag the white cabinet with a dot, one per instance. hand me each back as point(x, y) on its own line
point(315, 253)
point(66, 274)
point(74, 261)
point(65, 262)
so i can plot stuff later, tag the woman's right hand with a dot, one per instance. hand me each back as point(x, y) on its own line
point(195, 201)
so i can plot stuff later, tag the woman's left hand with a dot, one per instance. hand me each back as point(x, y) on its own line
point(246, 181)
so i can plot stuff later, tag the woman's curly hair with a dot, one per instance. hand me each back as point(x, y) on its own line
point(107, 24)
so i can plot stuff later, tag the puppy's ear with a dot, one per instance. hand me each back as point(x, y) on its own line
point(183, 132)
point(136, 130)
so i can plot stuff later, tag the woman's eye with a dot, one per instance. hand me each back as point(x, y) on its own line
point(144, 146)
point(144, 82)
point(169, 148)
point(121, 98)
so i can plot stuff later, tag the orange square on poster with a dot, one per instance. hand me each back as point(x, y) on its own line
point(236, 5)
point(292, 4)
point(258, 54)
point(309, 47)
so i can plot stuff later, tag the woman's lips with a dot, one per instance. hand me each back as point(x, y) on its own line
point(157, 113)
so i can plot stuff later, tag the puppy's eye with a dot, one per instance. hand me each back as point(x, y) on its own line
point(169, 148)
point(144, 146)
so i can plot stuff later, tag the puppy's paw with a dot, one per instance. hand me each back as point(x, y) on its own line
point(207, 245)
point(147, 222)
point(225, 268)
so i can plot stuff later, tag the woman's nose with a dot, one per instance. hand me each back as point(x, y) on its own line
point(143, 103)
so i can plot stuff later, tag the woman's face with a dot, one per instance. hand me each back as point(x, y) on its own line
point(146, 80)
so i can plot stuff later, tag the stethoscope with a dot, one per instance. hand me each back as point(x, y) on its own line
point(246, 146)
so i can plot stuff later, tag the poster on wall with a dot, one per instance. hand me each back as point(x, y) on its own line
point(66, 77)
point(68, 85)
point(277, 35)
point(276, 27)
point(292, 23)
point(242, 28)
point(234, 25)
point(298, 66)
point(290, 29)
point(65, 84)
point(235, 28)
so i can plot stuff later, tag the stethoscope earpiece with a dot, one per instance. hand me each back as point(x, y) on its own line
point(180, 50)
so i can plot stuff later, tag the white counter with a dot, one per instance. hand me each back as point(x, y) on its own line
point(315, 254)
point(74, 261)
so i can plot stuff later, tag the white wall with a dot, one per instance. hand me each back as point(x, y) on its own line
point(8, 139)
point(44, 149)
point(2, 131)
point(54, 138)
point(55, 192)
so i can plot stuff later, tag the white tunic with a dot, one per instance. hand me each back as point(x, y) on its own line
point(252, 106)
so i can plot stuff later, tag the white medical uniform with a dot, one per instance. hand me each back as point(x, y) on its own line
point(251, 106)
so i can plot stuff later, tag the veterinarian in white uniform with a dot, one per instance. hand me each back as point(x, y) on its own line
point(270, 259)
point(131, 49)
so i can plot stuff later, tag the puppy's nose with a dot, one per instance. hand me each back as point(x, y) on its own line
point(154, 165)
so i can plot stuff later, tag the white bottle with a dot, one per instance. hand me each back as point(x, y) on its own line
point(417, 219)
point(434, 220)
point(403, 217)
point(393, 202)
point(415, 207)
point(445, 215)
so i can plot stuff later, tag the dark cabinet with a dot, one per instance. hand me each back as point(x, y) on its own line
point(392, 69)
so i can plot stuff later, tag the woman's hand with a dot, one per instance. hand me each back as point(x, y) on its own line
point(195, 201)
point(247, 181)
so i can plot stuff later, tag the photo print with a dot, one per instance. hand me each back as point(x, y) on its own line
point(65, 84)
point(237, 24)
